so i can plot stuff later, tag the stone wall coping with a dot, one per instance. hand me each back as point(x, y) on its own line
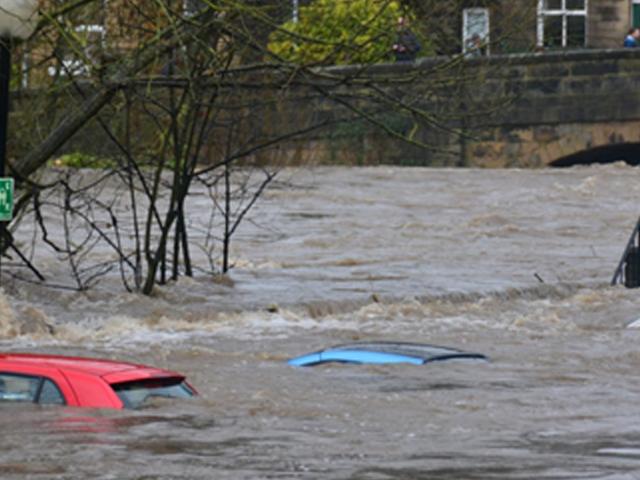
point(514, 59)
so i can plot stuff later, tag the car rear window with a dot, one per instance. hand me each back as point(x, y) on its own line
point(137, 393)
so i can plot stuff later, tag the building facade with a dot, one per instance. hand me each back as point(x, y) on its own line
point(524, 25)
point(475, 27)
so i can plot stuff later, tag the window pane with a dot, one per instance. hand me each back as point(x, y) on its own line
point(77, 55)
point(50, 395)
point(575, 31)
point(553, 4)
point(575, 4)
point(18, 388)
point(553, 31)
point(135, 394)
point(476, 28)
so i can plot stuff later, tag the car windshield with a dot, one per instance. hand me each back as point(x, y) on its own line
point(135, 394)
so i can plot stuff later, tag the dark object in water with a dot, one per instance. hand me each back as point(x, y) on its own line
point(384, 352)
point(628, 271)
point(632, 268)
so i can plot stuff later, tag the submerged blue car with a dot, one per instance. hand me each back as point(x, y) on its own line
point(383, 353)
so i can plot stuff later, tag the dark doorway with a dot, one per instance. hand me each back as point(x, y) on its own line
point(621, 152)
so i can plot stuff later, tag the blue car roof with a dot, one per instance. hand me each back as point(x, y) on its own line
point(383, 353)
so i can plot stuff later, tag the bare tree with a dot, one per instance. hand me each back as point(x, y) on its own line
point(164, 92)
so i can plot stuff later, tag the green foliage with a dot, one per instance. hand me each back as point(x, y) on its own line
point(16, 76)
point(82, 160)
point(340, 32)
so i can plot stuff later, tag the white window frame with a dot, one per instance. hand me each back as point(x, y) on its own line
point(295, 11)
point(561, 12)
point(633, 3)
point(466, 14)
point(25, 68)
point(78, 67)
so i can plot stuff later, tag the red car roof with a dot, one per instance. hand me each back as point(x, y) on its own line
point(114, 371)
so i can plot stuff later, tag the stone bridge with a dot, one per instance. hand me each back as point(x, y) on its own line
point(552, 108)
point(557, 108)
point(579, 107)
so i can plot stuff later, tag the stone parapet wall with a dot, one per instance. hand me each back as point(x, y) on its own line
point(525, 110)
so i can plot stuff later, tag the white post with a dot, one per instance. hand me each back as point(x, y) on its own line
point(540, 29)
point(17, 21)
point(295, 8)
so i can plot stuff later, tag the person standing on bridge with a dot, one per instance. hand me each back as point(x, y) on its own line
point(633, 38)
point(407, 45)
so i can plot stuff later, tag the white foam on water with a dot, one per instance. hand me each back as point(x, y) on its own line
point(627, 452)
point(634, 324)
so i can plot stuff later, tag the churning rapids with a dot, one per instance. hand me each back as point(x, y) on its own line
point(515, 264)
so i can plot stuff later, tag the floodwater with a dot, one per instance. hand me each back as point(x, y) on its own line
point(514, 264)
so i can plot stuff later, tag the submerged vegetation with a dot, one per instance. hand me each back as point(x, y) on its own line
point(174, 101)
point(82, 160)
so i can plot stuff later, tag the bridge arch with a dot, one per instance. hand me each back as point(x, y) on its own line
point(557, 145)
point(618, 152)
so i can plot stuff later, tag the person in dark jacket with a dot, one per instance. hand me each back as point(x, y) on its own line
point(632, 38)
point(407, 44)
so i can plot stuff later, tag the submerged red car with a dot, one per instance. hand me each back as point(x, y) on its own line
point(85, 382)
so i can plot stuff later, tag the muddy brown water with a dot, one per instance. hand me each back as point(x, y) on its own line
point(332, 255)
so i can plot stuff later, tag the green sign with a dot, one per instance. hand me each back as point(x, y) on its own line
point(6, 199)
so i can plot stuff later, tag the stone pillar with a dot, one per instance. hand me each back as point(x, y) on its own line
point(607, 23)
